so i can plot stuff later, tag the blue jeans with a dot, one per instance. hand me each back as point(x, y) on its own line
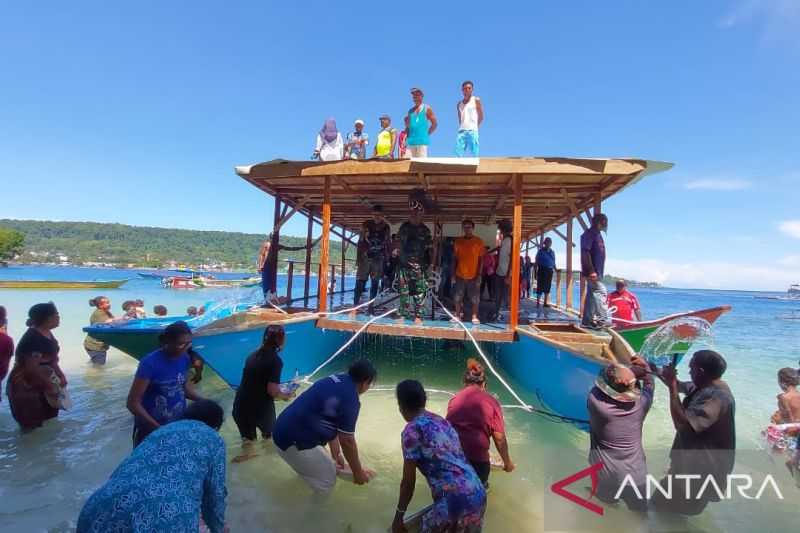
point(467, 140)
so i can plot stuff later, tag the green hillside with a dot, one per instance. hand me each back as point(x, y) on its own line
point(119, 244)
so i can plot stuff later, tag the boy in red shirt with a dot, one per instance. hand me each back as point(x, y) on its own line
point(626, 303)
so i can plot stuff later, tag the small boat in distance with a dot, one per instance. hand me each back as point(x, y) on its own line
point(794, 290)
point(56, 284)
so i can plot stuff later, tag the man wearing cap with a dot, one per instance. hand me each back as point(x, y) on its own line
point(420, 123)
point(357, 141)
point(626, 303)
point(618, 406)
point(386, 140)
point(416, 247)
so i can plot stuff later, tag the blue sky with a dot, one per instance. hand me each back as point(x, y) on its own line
point(137, 112)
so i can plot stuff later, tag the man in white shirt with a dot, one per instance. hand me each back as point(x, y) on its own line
point(470, 117)
point(502, 275)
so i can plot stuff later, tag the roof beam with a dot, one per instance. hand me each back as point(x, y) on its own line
point(574, 210)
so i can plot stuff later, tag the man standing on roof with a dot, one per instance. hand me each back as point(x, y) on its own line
point(469, 251)
point(357, 141)
point(593, 261)
point(416, 245)
point(420, 124)
point(387, 139)
point(626, 303)
point(470, 117)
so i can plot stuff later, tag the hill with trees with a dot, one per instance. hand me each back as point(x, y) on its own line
point(123, 245)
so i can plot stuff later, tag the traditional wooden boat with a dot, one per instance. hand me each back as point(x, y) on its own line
point(55, 284)
point(637, 332)
point(543, 353)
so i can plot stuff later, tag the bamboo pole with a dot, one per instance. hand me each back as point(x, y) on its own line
point(307, 280)
point(516, 243)
point(558, 287)
point(568, 280)
point(322, 301)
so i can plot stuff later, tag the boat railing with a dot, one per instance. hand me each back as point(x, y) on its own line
point(342, 270)
point(565, 293)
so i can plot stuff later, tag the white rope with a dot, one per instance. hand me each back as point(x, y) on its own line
point(307, 379)
point(522, 404)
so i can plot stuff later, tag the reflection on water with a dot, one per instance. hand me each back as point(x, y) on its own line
point(46, 475)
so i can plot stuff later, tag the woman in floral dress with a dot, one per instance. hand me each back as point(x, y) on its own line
point(431, 445)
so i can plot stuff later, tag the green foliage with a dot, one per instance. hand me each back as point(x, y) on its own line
point(11, 242)
point(119, 244)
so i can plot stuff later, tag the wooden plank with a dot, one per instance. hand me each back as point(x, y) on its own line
point(557, 232)
point(568, 280)
point(516, 239)
point(307, 280)
point(423, 331)
point(322, 291)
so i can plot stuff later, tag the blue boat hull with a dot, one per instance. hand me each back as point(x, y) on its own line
point(556, 378)
point(306, 347)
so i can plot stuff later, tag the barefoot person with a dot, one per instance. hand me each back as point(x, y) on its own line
point(161, 386)
point(618, 406)
point(477, 417)
point(169, 482)
point(593, 260)
point(254, 405)
point(325, 415)
point(545, 266)
point(431, 445)
point(420, 124)
point(705, 432)
point(789, 400)
point(97, 349)
point(470, 116)
point(468, 253)
point(416, 247)
point(36, 384)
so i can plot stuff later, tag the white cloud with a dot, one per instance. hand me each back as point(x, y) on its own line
point(790, 261)
point(790, 228)
point(778, 20)
point(718, 184)
point(708, 275)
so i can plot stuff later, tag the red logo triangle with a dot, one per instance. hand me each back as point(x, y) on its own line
point(558, 488)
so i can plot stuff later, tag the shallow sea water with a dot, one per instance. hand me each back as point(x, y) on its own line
point(46, 475)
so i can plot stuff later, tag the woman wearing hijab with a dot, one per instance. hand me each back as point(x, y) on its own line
point(36, 384)
point(330, 146)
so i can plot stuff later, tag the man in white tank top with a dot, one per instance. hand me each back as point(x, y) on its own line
point(470, 116)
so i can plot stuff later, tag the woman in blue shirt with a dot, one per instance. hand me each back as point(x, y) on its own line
point(160, 389)
point(168, 483)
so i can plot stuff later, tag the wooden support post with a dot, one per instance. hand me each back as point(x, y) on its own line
point(568, 280)
point(333, 281)
point(289, 281)
point(307, 280)
point(598, 203)
point(322, 292)
point(558, 287)
point(343, 264)
point(583, 294)
point(513, 315)
point(275, 245)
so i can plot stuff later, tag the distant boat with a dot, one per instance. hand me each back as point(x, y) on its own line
point(794, 290)
point(55, 284)
point(152, 275)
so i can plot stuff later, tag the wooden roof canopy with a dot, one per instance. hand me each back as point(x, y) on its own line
point(553, 188)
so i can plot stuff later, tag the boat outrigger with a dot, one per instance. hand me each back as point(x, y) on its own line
point(545, 353)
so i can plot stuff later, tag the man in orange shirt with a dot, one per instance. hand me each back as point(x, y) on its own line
point(468, 252)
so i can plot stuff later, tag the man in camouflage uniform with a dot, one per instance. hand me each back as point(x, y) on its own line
point(416, 246)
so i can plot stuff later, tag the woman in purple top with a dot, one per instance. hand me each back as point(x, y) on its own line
point(159, 391)
point(431, 445)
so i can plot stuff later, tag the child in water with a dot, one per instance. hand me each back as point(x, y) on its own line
point(789, 400)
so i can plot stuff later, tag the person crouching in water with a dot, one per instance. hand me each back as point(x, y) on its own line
point(477, 416)
point(617, 408)
point(325, 414)
point(431, 445)
point(254, 406)
point(160, 388)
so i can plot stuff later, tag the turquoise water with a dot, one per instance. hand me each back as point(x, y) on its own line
point(46, 475)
